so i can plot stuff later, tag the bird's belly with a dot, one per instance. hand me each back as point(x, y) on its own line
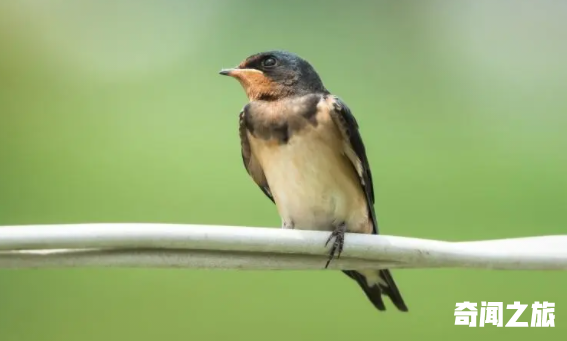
point(315, 186)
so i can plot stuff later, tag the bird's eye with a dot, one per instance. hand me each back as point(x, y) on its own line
point(269, 62)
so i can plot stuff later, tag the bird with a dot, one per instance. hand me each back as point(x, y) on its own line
point(302, 147)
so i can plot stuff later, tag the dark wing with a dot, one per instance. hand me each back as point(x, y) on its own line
point(356, 152)
point(250, 162)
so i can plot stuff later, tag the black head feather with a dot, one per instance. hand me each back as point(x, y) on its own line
point(286, 69)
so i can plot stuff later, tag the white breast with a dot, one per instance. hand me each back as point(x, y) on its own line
point(312, 181)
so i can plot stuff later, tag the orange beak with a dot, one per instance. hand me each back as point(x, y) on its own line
point(253, 81)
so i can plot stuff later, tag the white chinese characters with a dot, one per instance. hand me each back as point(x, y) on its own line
point(544, 317)
point(491, 313)
point(465, 318)
point(513, 321)
point(466, 314)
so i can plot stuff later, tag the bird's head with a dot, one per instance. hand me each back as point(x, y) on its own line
point(274, 75)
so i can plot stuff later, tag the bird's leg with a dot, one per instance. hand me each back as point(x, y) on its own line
point(339, 234)
point(287, 225)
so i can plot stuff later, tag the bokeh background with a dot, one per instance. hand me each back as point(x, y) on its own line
point(113, 111)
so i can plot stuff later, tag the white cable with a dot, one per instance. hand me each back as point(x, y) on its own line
point(232, 247)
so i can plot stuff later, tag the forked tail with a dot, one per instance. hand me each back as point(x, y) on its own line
point(376, 284)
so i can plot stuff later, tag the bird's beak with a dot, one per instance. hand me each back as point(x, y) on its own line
point(238, 72)
point(226, 72)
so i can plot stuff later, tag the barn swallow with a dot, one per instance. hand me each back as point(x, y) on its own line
point(302, 146)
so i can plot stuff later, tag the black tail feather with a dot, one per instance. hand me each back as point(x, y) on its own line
point(386, 287)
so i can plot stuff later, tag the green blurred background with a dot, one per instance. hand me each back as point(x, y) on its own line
point(113, 111)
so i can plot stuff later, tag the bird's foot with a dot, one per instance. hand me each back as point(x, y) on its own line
point(287, 225)
point(339, 235)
